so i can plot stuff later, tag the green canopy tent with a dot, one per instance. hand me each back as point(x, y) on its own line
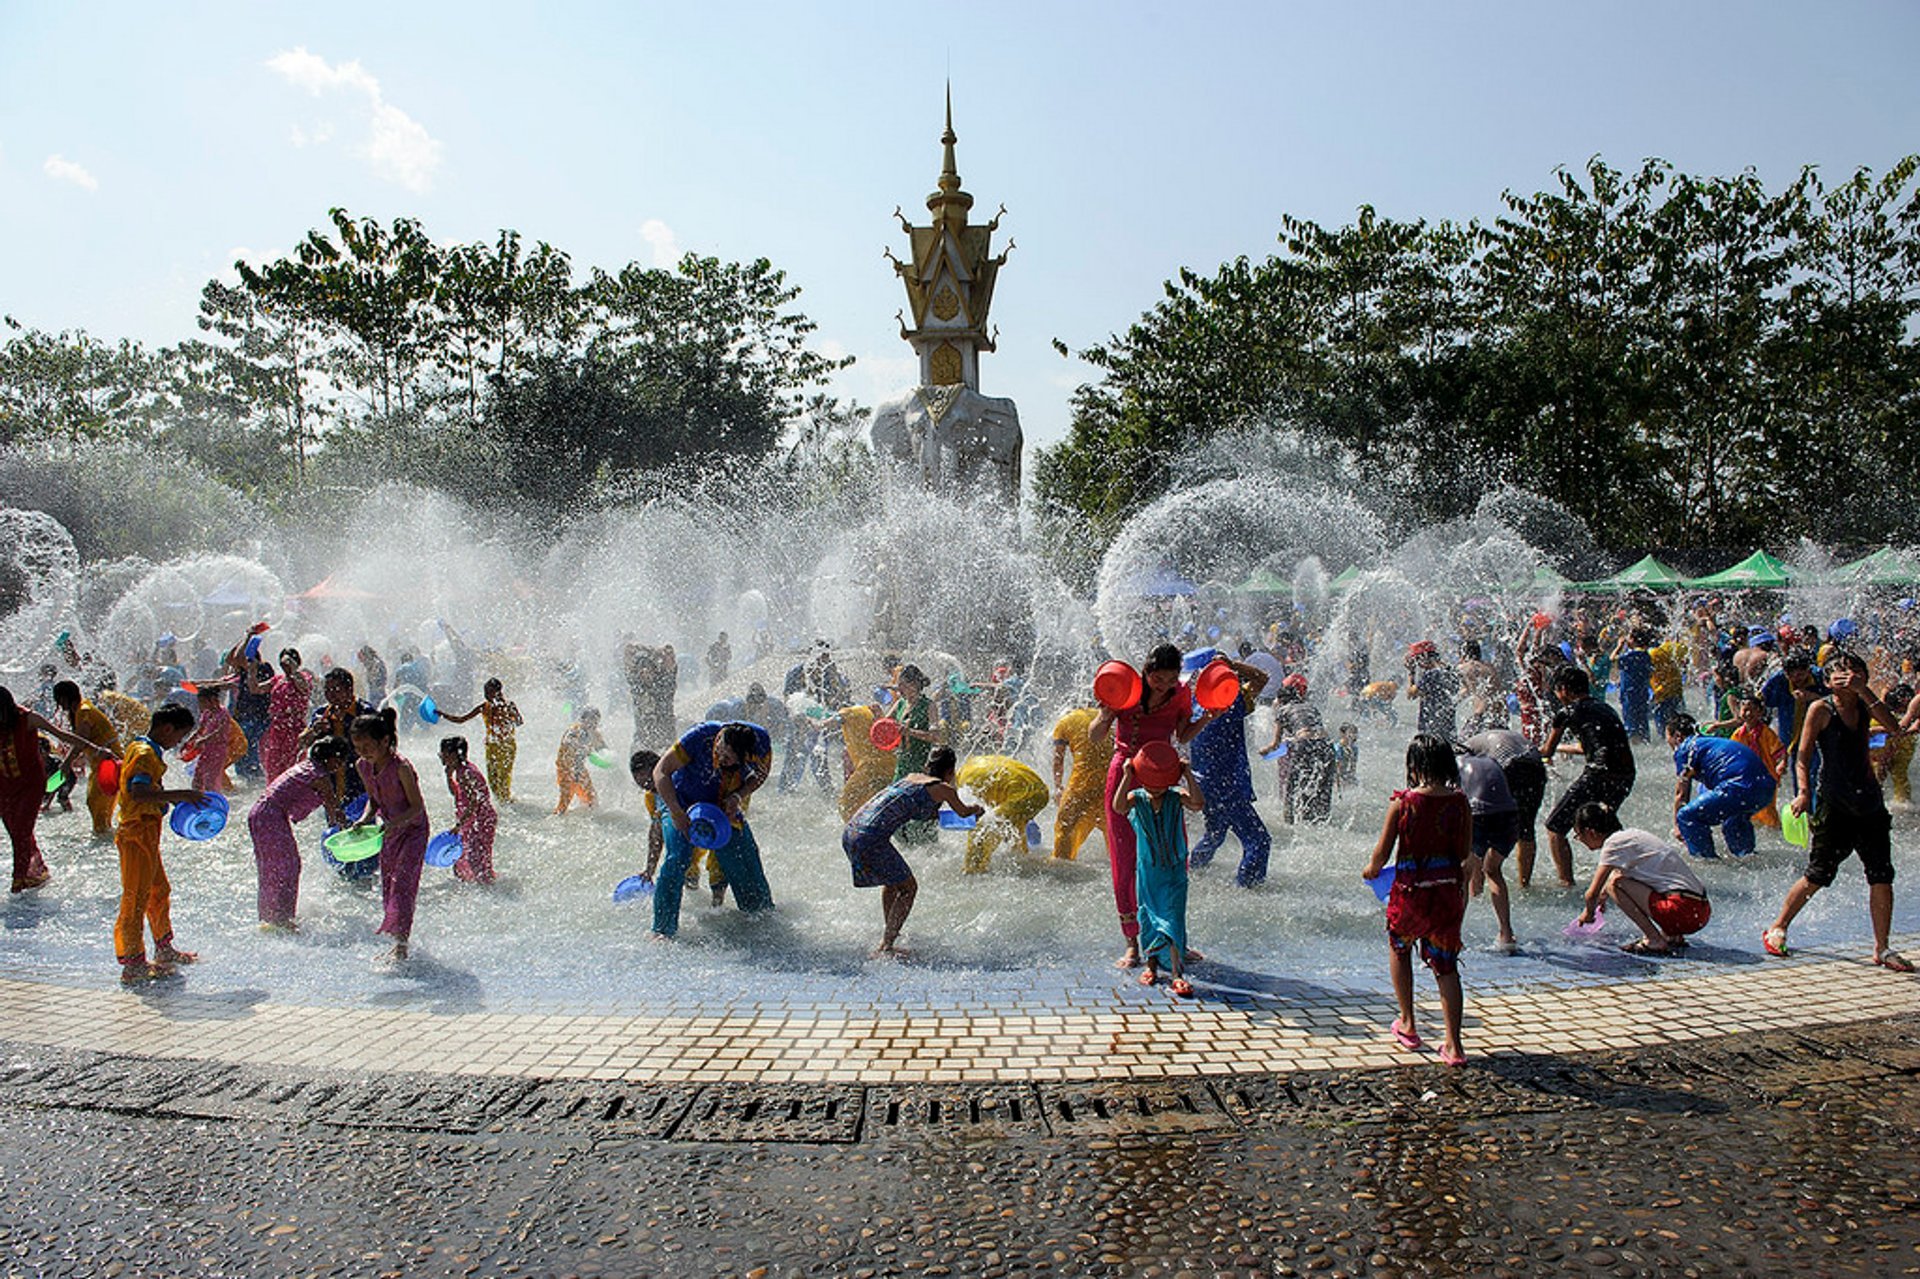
point(1647, 575)
point(1885, 567)
point(1758, 572)
point(1264, 581)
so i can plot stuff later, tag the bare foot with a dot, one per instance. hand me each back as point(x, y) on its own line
point(1192, 957)
point(889, 950)
point(720, 896)
point(168, 955)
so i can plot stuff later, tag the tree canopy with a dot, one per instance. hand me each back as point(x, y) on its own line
point(1677, 360)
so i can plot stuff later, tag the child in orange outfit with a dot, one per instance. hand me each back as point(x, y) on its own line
point(570, 765)
point(145, 895)
point(1757, 735)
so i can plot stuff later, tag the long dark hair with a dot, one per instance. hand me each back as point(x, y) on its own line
point(1430, 762)
point(9, 713)
point(1163, 657)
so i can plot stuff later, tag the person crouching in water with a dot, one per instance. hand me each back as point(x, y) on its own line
point(319, 781)
point(1734, 783)
point(868, 839)
point(1153, 808)
point(1430, 825)
point(1644, 876)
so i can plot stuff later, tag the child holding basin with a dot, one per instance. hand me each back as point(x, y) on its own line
point(146, 898)
point(868, 839)
point(318, 781)
point(502, 720)
point(570, 765)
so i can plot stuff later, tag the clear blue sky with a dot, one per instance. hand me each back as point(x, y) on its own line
point(142, 145)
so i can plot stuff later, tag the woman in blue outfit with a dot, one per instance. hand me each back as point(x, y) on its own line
point(868, 839)
point(1734, 783)
point(713, 764)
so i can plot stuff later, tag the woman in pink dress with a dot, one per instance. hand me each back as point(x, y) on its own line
point(473, 812)
point(289, 697)
point(319, 780)
point(393, 795)
point(1164, 713)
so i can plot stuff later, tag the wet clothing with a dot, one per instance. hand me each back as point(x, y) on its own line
point(288, 697)
point(1428, 898)
point(1496, 815)
point(1132, 729)
point(1730, 782)
point(1636, 674)
point(911, 757)
point(1849, 813)
point(146, 897)
point(501, 719)
point(1609, 772)
point(1525, 771)
point(1762, 741)
point(403, 849)
point(1082, 808)
point(476, 820)
point(1439, 688)
point(289, 798)
point(1160, 875)
point(23, 785)
point(1013, 793)
point(869, 769)
point(868, 838)
point(92, 723)
point(739, 861)
point(1219, 758)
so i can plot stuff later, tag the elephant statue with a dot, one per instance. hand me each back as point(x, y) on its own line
point(957, 438)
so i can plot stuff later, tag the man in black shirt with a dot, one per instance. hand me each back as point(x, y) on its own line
point(1607, 778)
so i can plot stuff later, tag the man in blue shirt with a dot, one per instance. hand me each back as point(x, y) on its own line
point(1219, 758)
point(713, 764)
point(1734, 784)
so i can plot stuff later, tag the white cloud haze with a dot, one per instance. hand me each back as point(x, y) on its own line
point(61, 169)
point(660, 237)
point(397, 147)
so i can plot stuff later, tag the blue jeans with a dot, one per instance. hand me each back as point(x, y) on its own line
point(1731, 808)
point(1234, 813)
point(740, 859)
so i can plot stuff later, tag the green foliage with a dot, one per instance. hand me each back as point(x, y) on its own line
point(119, 498)
point(372, 352)
point(1675, 359)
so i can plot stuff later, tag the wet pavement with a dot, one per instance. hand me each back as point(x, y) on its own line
point(1780, 1152)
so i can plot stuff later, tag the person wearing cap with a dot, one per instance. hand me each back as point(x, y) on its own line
point(1154, 811)
point(720, 764)
point(1219, 756)
point(1436, 687)
point(1307, 765)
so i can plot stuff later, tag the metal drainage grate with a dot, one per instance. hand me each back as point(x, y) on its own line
point(616, 1109)
point(989, 1113)
point(750, 1112)
point(1125, 1107)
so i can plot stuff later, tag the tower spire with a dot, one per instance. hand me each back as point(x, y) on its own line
point(949, 198)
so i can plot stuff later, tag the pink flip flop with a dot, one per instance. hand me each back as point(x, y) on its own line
point(1405, 1038)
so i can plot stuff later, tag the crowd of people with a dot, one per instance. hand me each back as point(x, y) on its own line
point(1756, 714)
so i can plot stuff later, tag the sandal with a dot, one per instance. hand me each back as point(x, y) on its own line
point(1407, 1039)
point(1774, 941)
point(1641, 946)
point(1893, 961)
point(1149, 977)
point(1452, 1057)
point(1181, 988)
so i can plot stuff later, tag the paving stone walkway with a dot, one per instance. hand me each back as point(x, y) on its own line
point(1271, 1029)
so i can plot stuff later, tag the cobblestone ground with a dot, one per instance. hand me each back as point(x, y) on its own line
point(1752, 1155)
